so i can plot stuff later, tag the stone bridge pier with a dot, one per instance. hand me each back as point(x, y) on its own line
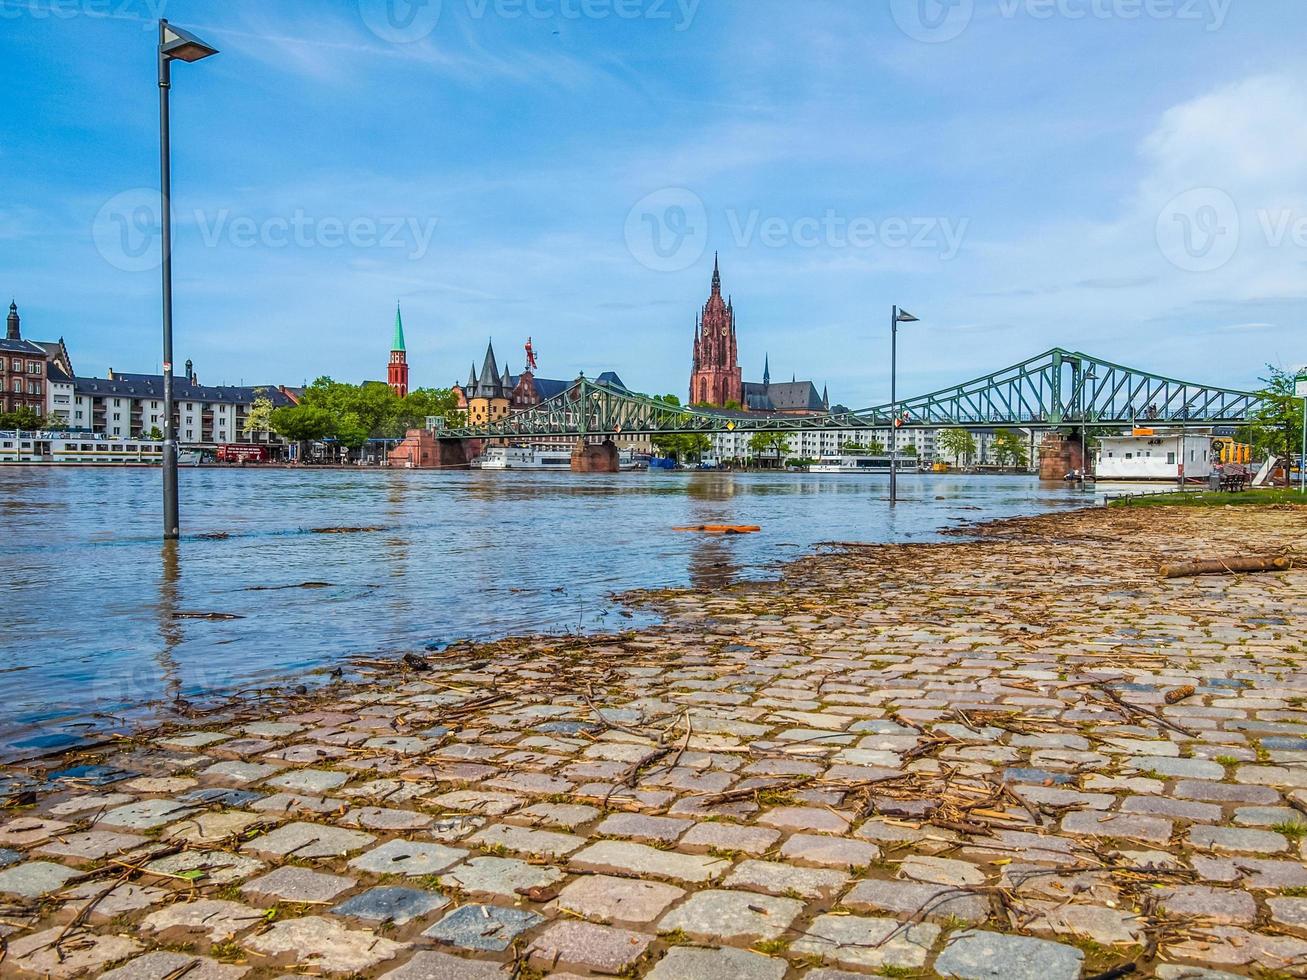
point(1060, 454)
point(421, 450)
point(589, 457)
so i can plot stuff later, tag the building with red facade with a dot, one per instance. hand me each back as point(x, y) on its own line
point(22, 369)
point(716, 378)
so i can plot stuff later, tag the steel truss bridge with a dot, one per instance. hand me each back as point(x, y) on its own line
point(1055, 389)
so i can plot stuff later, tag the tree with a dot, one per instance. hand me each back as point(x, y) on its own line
point(20, 418)
point(301, 424)
point(424, 403)
point(958, 443)
point(909, 450)
point(774, 444)
point(1276, 426)
point(1009, 449)
point(155, 434)
point(259, 417)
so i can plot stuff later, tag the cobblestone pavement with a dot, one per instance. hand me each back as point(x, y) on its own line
point(1023, 756)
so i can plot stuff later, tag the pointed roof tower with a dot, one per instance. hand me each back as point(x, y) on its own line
point(766, 369)
point(13, 332)
point(716, 275)
point(489, 380)
point(398, 342)
point(471, 379)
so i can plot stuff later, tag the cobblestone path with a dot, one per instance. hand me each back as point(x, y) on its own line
point(1020, 756)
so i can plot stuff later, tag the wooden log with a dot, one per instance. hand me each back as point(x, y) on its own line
point(1226, 566)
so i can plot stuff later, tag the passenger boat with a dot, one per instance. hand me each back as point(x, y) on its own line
point(84, 449)
point(523, 458)
point(856, 464)
point(546, 458)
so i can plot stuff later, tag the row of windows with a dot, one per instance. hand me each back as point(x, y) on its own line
point(16, 365)
point(33, 387)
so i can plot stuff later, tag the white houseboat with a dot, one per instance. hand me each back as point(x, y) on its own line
point(83, 449)
point(1159, 456)
point(546, 458)
point(858, 464)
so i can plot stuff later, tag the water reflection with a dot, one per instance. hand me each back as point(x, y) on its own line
point(170, 624)
point(473, 555)
point(712, 564)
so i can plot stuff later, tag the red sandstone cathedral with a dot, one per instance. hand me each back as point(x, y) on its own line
point(716, 379)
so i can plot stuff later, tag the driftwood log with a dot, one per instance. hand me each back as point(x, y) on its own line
point(1224, 566)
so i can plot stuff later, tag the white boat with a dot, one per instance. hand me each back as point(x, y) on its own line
point(856, 464)
point(85, 449)
point(523, 458)
point(77, 448)
point(546, 458)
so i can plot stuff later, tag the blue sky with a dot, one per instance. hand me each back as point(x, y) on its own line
point(1126, 177)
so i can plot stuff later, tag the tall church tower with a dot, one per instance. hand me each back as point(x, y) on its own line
point(715, 378)
point(397, 371)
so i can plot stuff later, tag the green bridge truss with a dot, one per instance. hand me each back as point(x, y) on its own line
point(1056, 388)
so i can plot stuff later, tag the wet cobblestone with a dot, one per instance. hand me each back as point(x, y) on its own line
point(976, 759)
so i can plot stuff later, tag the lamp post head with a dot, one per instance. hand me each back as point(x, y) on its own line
point(181, 45)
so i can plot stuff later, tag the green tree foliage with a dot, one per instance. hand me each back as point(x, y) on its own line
point(1010, 449)
point(909, 450)
point(353, 414)
point(770, 444)
point(1276, 427)
point(680, 446)
point(20, 418)
point(259, 417)
point(155, 434)
point(957, 443)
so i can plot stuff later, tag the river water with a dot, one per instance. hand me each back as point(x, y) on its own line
point(99, 618)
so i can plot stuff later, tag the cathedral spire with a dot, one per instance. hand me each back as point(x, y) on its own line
point(716, 276)
point(766, 369)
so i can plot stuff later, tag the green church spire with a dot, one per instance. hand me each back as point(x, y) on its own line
point(398, 342)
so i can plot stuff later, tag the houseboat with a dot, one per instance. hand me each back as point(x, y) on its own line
point(1148, 455)
point(546, 458)
point(858, 464)
point(83, 449)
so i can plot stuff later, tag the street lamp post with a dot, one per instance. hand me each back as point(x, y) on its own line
point(897, 316)
point(174, 45)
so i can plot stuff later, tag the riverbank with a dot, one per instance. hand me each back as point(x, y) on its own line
point(1021, 754)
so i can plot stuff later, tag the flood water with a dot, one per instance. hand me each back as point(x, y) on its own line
point(99, 617)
